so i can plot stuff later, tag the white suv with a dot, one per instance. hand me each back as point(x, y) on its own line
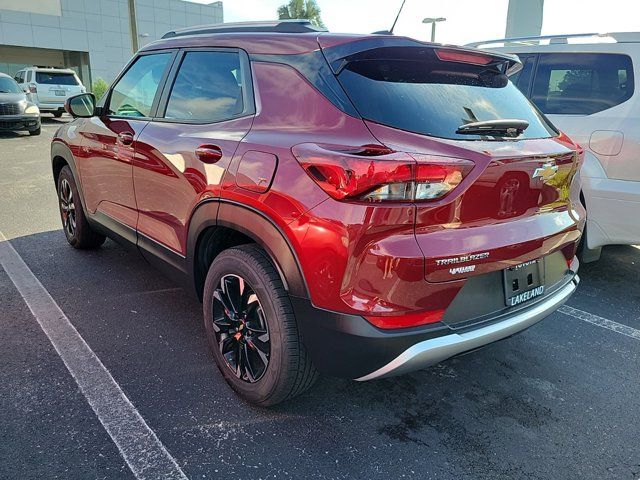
point(49, 87)
point(589, 87)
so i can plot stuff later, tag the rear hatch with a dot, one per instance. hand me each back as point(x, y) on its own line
point(56, 86)
point(513, 204)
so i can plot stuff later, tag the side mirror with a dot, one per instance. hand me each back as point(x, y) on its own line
point(26, 90)
point(82, 105)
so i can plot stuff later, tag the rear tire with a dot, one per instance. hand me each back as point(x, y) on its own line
point(57, 114)
point(263, 321)
point(74, 222)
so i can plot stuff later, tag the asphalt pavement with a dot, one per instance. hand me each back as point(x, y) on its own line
point(559, 401)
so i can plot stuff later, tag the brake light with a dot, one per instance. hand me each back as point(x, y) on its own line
point(407, 321)
point(463, 57)
point(377, 174)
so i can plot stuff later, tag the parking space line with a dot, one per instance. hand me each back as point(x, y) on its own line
point(145, 455)
point(601, 322)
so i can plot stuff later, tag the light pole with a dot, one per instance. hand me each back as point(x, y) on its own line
point(433, 22)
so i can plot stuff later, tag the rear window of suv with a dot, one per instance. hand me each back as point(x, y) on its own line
point(582, 83)
point(56, 78)
point(419, 93)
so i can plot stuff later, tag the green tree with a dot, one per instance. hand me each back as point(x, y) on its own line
point(301, 9)
point(99, 87)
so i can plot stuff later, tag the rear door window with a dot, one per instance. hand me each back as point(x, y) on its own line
point(582, 83)
point(56, 78)
point(411, 89)
point(208, 88)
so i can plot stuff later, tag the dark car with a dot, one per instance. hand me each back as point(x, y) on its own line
point(16, 112)
point(358, 205)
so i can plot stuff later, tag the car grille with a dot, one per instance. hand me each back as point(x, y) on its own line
point(11, 125)
point(10, 109)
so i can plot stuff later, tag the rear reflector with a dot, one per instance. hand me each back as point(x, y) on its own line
point(375, 173)
point(406, 321)
point(463, 57)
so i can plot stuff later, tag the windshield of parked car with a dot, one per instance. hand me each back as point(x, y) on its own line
point(56, 78)
point(416, 91)
point(9, 85)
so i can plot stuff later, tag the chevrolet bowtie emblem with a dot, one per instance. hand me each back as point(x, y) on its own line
point(546, 171)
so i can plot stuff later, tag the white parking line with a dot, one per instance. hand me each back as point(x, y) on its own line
point(600, 321)
point(145, 455)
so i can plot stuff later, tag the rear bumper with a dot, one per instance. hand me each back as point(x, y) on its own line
point(612, 207)
point(51, 107)
point(350, 347)
point(430, 352)
point(19, 122)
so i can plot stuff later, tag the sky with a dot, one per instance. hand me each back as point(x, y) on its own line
point(467, 20)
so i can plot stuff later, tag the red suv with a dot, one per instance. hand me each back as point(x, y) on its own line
point(358, 205)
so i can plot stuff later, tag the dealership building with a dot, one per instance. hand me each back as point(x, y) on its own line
point(94, 37)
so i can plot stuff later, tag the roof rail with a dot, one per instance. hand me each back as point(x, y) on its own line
point(534, 40)
point(276, 26)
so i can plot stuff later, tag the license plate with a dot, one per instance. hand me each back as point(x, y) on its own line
point(60, 93)
point(523, 282)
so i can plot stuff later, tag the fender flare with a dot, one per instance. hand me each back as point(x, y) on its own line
point(255, 225)
point(60, 149)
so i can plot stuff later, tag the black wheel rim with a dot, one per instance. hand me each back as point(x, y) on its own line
point(67, 208)
point(241, 328)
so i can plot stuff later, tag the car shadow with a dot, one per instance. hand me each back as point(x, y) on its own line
point(480, 407)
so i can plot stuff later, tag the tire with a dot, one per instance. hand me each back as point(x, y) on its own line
point(35, 132)
point(57, 114)
point(74, 222)
point(289, 370)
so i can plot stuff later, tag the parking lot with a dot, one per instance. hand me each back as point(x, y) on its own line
point(559, 401)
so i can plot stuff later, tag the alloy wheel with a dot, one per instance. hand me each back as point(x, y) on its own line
point(241, 328)
point(67, 208)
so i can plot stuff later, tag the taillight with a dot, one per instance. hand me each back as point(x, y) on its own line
point(377, 174)
point(406, 321)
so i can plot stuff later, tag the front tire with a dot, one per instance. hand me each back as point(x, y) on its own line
point(251, 329)
point(57, 114)
point(35, 132)
point(74, 222)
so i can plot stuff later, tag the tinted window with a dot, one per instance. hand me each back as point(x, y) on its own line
point(56, 78)
point(208, 88)
point(582, 83)
point(134, 93)
point(8, 85)
point(19, 77)
point(522, 79)
point(434, 97)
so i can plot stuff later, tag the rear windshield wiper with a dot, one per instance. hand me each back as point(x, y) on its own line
point(502, 128)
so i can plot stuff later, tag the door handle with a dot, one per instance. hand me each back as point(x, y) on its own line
point(208, 153)
point(126, 138)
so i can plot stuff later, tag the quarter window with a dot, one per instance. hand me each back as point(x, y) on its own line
point(134, 93)
point(582, 83)
point(207, 88)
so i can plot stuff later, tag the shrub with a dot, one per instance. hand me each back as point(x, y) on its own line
point(99, 87)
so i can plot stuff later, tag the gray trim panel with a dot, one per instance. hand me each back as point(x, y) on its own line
point(432, 351)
